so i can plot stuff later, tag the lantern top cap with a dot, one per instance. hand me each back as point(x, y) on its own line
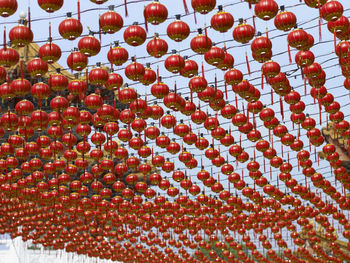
point(69, 14)
point(220, 7)
point(178, 16)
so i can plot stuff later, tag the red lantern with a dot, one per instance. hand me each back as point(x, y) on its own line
point(149, 77)
point(115, 81)
point(214, 56)
point(21, 35)
point(261, 45)
point(203, 6)
point(190, 69)
point(50, 6)
point(157, 47)
point(98, 76)
point(155, 13)
point(8, 57)
point(89, 46)
point(221, 21)
point(243, 33)
point(178, 30)
point(58, 82)
point(174, 63)
point(50, 52)
point(111, 22)
point(135, 35)
point(339, 26)
point(266, 9)
point(332, 10)
point(21, 87)
point(134, 71)
point(77, 61)
point(8, 7)
point(285, 21)
point(70, 28)
point(160, 90)
point(298, 38)
point(201, 43)
point(37, 68)
point(117, 55)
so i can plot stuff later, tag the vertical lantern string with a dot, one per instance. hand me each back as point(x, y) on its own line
point(110, 50)
point(271, 93)
point(29, 19)
point(281, 107)
point(146, 23)
point(267, 32)
point(335, 41)
point(289, 54)
point(78, 5)
point(158, 75)
point(215, 83)
point(191, 93)
point(226, 95)
point(155, 47)
point(254, 25)
point(126, 8)
point(5, 38)
point(203, 75)
point(195, 17)
point(319, 21)
point(262, 81)
point(247, 62)
point(185, 7)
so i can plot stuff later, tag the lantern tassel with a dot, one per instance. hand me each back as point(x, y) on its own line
point(126, 8)
point(335, 41)
point(289, 54)
point(247, 61)
point(78, 10)
point(195, 17)
point(203, 70)
point(191, 94)
point(5, 38)
point(319, 21)
point(262, 81)
point(146, 24)
point(226, 91)
point(272, 97)
point(254, 23)
point(185, 6)
point(281, 106)
point(215, 83)
point(155, 48)
point(158, 74)
point(29, 19)
point(305, 91)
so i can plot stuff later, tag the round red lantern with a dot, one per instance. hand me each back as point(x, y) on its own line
point(261, 45)
point(203, 6)
point(37, 67)
point(21, 35)
point(98, 76)
point(50, 52)
point(157, 47)
point(70, 28)
point(155, 13)
point(134, 71)
point(221, 21)
point(201, 43)
point(111, 22)
point(135, 35)
point(77, 61)
point(243, 33)
point(332, 10)
point(89, 46)
point(8, 57)
point(178, 30)
point(117, 55)
point(50, 6)
point(8, 7)
point(214, 56)
point(298, 38)
point(285, 20)
point(174, 63)
point(266, 9)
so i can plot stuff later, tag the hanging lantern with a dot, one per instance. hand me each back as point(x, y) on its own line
point(117, 55)
point(285, 20)
point(314, 3)
point(261, 45)
point(266, 9)
point(8, 7)
point(243, 33)
point(174, 63)
point(8, 57)
point(160, 90)
point(77, 87)
point(178, 30)
point(157, 47)
point(155, 13)
point(70, 28)
point(98, 76)
point(37, 67)
point(58, 82)
point(111, 22)
point(20, 87)
point(89, 46)
point(134, 71)
point(203, 7)
point(135, 35)
point(270, 69)
point(339, 26)
point(149, 77)
point(93, 101)
point(201, 43)
point(190, 69)
point(221, 21)
point(214, 56)
point(21, 35)
point(233, 77)
point(304, 58)
point(77, 61)
point(298, 38)
point(50, 52)
point(332, 10)
point(115, 81)
point(50, 6)
point(227, 63)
